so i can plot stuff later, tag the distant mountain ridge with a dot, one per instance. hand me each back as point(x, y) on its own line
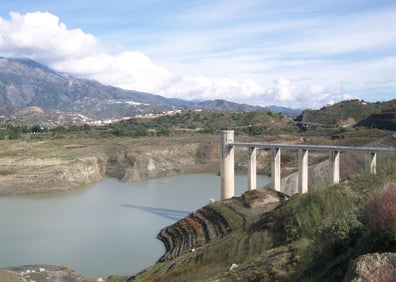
point(27, 83)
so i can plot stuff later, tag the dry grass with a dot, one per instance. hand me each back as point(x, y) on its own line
point(381, 211)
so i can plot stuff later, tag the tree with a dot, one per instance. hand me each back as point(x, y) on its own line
point(36, 129)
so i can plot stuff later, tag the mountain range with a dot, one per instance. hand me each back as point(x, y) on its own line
point(27, 83)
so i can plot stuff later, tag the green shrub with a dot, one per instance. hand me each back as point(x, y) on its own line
point(338, 232)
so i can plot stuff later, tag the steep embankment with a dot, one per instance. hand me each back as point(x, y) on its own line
point(235, 219)
point(22, 175)
point(58, 165)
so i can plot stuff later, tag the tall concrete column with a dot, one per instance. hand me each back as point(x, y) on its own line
point(302, 171)
point(227, 164)
point(335, 167)
point(276, 168)
point(252, 178)
point(373, 163)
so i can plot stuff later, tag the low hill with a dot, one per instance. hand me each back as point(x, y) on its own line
point(223, 105)
point(345, 112)
point(252, 123)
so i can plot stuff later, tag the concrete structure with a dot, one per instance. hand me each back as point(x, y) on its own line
point(252, 179)
point(302, 170)
point(227, 162)
point(276, 167)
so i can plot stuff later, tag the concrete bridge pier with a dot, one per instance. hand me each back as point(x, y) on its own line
point(276, 168)
point(373, 163)
point(227, 164)
point(302, 171)
point(252, 174)
point(334, 167)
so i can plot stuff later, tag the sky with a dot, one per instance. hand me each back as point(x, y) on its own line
point(298, 54)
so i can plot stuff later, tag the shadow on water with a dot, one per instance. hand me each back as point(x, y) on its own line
point(171, 214)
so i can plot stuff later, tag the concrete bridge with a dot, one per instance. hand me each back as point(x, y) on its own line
point(228, 144)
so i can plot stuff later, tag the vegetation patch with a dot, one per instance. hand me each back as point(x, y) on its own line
point(5, 172)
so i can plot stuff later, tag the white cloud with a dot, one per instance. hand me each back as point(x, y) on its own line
point(42, 37)
point(302, 94)
point(245, 71)
point(205, 88)
point(129, 70)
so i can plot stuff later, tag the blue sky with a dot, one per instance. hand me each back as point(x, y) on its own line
point(289, 53)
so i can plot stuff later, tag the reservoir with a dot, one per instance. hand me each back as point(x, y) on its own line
point(107, 228)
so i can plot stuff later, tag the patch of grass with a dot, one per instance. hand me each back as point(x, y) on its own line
point(116, 278)
point(149, 272)
point(5, 172)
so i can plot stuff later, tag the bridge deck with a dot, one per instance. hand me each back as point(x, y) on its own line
point(312, 147)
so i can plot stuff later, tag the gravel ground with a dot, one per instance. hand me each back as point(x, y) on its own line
point(40, 273)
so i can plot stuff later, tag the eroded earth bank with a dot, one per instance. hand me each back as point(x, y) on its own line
point(58, 165)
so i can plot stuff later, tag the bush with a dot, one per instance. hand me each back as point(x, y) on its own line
point(339, 232)
point(380, 214)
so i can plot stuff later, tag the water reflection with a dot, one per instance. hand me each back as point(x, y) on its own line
point(171, 214)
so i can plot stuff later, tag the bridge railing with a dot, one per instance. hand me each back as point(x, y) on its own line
point(228, 144)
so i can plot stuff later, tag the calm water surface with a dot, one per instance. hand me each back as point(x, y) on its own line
point(107, 228)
